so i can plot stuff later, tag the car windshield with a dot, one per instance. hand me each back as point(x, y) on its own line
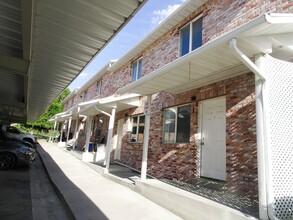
point(13, 130)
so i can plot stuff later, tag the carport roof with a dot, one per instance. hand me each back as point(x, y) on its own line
point(215, 61)
point(45, 44)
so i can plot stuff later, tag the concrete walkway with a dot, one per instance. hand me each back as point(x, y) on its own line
point(89, 195)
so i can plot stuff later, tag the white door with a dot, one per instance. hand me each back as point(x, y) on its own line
point(119, 139)
point(213, 138)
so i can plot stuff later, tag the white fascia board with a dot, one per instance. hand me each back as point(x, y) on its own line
point(73, 93)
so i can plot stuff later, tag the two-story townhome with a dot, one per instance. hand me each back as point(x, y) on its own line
point(207, 94)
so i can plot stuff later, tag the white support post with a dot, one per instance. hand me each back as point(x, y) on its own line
point(53, 135)
point(57, 130)
point(88, 133)
point(109, 140)
point(261, 152)
point(75, 137)
point(68, 131)
point(61, 131)
point(146, 139)
point(86, 156)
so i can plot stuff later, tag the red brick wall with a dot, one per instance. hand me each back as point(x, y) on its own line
point(179, 161)
point(241, 136)
point(222, 16)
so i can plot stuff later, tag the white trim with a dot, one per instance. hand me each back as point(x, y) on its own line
point(198, 141)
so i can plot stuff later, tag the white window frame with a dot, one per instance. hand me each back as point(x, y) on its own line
point(136, 70)
point(176, 123)
point(190, 35)
point(137, 130)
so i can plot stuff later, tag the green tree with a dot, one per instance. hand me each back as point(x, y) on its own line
point(55, 108)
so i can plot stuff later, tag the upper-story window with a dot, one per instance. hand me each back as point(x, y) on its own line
point(85, 96)
point(136, 69)
point(191, 36)
point(99, 87)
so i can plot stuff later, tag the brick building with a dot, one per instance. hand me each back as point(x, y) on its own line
point(188, 84)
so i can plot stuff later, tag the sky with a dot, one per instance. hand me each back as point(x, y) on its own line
point(145, 20)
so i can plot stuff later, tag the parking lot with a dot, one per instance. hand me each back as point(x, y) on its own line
point(27, 193)
point(15, 194)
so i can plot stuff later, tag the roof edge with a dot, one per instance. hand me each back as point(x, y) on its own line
point(168, 19)
point(97, 76)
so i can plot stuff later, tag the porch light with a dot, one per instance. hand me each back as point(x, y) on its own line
point(193, 98)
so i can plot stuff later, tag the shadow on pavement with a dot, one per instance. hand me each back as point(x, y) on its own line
point(77, 203)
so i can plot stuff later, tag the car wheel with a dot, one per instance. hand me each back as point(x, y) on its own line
point(7, 161)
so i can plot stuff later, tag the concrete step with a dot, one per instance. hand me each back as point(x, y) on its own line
point(185, 204)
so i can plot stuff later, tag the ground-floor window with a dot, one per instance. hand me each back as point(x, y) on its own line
point(177, 124)
point(137, 128)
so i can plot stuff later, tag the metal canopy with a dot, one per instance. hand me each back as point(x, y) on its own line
point(106, 105)
point(45, 44)
point(215, 61)
point(97, 106)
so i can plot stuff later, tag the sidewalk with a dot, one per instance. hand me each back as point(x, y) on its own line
point(89, 195)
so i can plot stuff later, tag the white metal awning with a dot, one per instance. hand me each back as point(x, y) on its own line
point(97, 106)
point(106, 105)
point(58, 117)
point(72, 112)
point(215, 61)
point(45, 44)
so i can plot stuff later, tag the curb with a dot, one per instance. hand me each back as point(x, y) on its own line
point(60, 195)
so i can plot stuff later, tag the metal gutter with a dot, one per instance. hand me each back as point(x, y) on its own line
point(245, 60)
point(261, 131)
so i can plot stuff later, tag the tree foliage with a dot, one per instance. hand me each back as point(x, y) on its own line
point(55, 108)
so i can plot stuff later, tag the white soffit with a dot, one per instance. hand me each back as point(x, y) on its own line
point(215, 61)
point(45, 44)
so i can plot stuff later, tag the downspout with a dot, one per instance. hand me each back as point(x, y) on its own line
point(260, 126)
